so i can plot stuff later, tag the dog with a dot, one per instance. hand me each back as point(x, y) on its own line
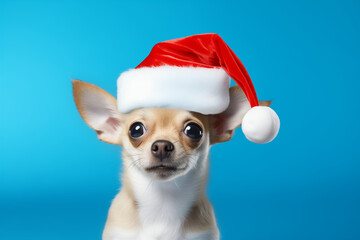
point(165, 164)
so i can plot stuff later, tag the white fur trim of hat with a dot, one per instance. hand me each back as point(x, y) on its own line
point(203, 90)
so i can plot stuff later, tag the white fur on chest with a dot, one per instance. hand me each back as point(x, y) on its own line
point(164, 205)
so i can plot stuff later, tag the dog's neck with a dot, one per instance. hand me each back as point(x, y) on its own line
point(163, 205)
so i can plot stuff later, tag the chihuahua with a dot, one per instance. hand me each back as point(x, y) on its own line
point(165, 164)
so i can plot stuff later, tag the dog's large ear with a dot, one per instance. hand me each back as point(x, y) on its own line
point(99, 110)
point(224, 124)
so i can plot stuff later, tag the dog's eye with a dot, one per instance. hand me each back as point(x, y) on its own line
point(193, 130)
point(136, 130)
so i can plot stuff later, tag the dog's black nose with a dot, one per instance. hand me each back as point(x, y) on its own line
point(162, 149)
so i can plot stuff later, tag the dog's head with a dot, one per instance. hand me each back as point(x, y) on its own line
point(160, 143)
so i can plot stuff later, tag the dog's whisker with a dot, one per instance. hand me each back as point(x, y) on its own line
point(131, 155)
point(147, 187)
point(176, 184)
point(135, 163)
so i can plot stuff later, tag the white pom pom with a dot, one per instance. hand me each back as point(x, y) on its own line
point(261, 124)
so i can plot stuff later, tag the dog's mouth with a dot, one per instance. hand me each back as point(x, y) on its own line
point(162, 168)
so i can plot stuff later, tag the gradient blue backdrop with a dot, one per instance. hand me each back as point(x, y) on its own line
point(57, 179)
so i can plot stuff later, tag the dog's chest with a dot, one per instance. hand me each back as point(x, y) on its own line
point(162, 213)
point(163, 207)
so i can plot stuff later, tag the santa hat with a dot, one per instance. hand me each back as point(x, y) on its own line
point(192, 73)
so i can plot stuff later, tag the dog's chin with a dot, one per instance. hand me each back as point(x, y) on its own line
point(165, 172)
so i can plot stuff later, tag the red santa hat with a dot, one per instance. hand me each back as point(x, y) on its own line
point(193, 73)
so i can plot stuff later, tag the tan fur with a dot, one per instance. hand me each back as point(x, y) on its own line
point(122, 213)
point(201, 217)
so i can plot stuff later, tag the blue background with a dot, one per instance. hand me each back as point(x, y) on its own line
point(57, 179)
